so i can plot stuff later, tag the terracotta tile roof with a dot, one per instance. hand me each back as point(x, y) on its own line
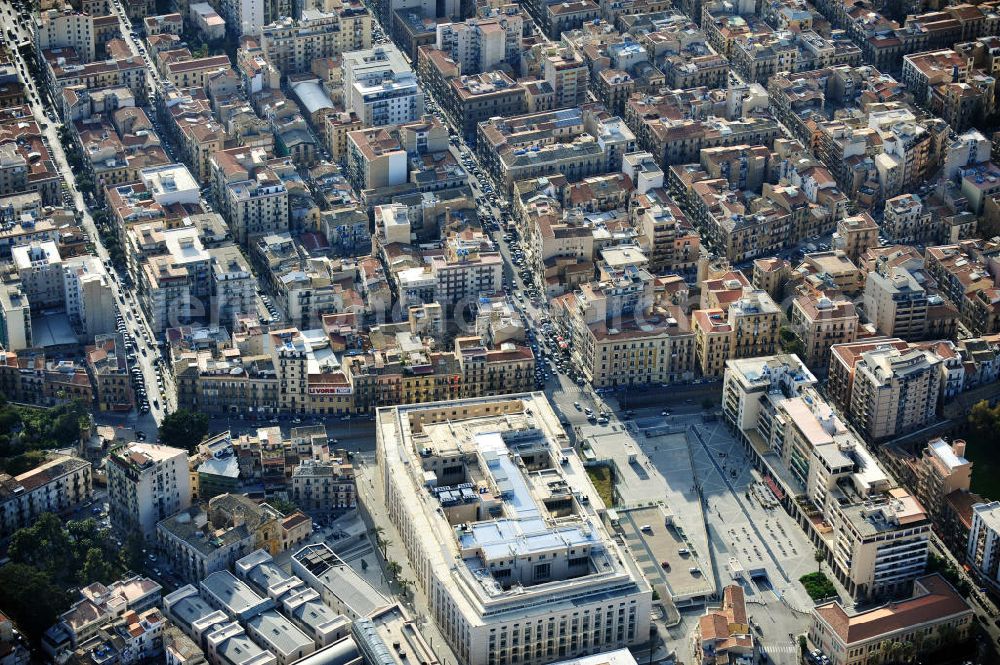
point(935, 601)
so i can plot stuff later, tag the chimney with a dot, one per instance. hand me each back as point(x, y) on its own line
point(958, 447)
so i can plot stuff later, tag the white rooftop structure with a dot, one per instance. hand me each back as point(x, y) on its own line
point(312, 95)
point(502, 522)
point(171, 183)
point(943, 451)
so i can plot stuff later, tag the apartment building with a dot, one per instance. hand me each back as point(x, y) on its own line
point(466, 271)
point(379, 157)
point(234, 285)
point(962, 272)
point(843, 360)
point(108, 370)
point(210, 537)
point(67, 28)
point(942, 476)
point(983, 548)
point(933, 616)
point(896, 303)
point(15, 318)
point(250, 195)
point(576, 142)
point(665, 233)
point(771, 275)
point(147, 483)
point(249, 17)
point(244, 383)
point(820, 322)
point(195, 72)
point(906, 220)
point(88, 294)
point(618, 342)
point(747, 327)
point(829, 271)
point(472, 99)
point(380, 88)
point(744, 166)
point(875, 536)
point(569, 77)
point(292, 45)
point(324, 488)
point(855, 235)
point(738, 228)
point(478, 45)
point(164, 24)
point(923, 71)
point(65, 70)
point(680, 141)
point(176, 287)
point(611, 598)
point(506, 368)
point(895, 392)
point(40, 269)
point(21, 171)
point(58, 485)
point(30, 376)
point(199, 134)
point(100, 608)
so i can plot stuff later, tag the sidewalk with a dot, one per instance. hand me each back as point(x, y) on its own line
point(370, 503)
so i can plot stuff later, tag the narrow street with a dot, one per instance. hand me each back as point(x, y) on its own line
point(136, 324)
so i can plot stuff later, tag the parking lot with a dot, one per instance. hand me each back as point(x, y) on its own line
point(665, 556)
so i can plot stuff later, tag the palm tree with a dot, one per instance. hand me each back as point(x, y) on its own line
point(380, 541)
point(947, 633)
point(819, 557)
point(393, 568)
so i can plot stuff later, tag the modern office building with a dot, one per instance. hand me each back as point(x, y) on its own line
point(875, 535)
point(505, 538)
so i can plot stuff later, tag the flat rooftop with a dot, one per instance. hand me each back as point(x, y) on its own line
point(503, 489)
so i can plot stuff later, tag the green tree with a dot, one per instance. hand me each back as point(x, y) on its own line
point(132, 552)
point(183, 429)
point(44, 545)
point(96, 568)
point(819, 557)
point(283, 506)
point(15, 465)
point(790, 343)
point(31, 597)
point(393, 568)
